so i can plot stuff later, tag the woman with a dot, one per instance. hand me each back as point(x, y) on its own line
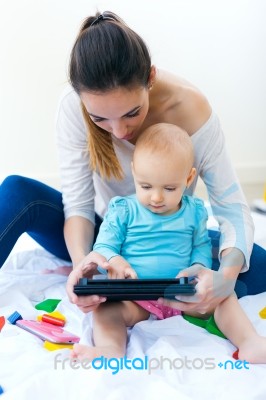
point(116, 93)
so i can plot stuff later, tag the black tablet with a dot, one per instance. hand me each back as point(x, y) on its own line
point(135, 289)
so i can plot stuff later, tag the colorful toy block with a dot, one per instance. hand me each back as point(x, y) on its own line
point(235, 355)
point(56, 346)
point(2, 322)
point(14, 317)
point(260, 204)
point(262, 313)
point(48, 305)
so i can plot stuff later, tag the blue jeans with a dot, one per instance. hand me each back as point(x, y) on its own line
point(27, 205)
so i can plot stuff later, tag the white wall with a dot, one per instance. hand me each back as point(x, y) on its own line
point(218, 45)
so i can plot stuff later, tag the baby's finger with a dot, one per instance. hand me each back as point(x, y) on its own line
point(130, 273)
point(121, 275)
point(111, 274)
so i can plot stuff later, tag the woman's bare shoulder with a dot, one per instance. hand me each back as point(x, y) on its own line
point(185, 104)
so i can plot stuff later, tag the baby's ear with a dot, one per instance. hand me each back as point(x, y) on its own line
point(191, 176)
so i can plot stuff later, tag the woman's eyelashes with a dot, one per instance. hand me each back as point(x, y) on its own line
point(98, 119)
point(132, 115)
point(126, 116)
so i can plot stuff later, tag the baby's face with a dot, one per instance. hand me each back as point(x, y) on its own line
point(160, 182)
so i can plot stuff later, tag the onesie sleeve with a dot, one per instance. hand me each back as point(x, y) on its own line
point(201, 250)
point(113, 229)
point(227, 200)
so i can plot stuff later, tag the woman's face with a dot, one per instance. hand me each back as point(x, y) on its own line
point(120, 111)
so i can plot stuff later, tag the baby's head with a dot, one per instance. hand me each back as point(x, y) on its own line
point(162, 167)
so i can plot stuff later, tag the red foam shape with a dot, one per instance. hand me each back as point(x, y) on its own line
point(2, 322)
point(235, 355)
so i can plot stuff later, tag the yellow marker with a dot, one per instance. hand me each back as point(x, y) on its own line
point(264, 194)
point(262, 313)
point(56, 346)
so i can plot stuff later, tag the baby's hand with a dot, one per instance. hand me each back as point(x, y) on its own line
point(119, 268)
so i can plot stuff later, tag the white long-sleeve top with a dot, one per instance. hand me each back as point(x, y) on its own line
point(85, 192)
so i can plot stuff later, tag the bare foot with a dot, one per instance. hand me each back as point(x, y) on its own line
point(81, 352)
point(253, 350)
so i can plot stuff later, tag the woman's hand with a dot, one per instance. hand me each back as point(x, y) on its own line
point(119, 268)
point(212, 288)
point(86, 269)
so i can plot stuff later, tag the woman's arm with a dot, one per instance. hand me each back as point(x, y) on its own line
point(79, 234)
point(227, 200)
point(78, 196)
point(76, 175)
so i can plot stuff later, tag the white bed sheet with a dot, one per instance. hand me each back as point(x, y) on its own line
point(27, 370)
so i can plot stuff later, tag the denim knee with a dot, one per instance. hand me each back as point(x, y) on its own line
point(12, 182)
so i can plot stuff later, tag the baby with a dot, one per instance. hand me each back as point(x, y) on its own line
point(156, 233)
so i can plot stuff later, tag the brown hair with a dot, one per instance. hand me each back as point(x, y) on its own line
point(106, 55)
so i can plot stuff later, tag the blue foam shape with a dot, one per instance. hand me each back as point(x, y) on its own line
point(14, 317)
